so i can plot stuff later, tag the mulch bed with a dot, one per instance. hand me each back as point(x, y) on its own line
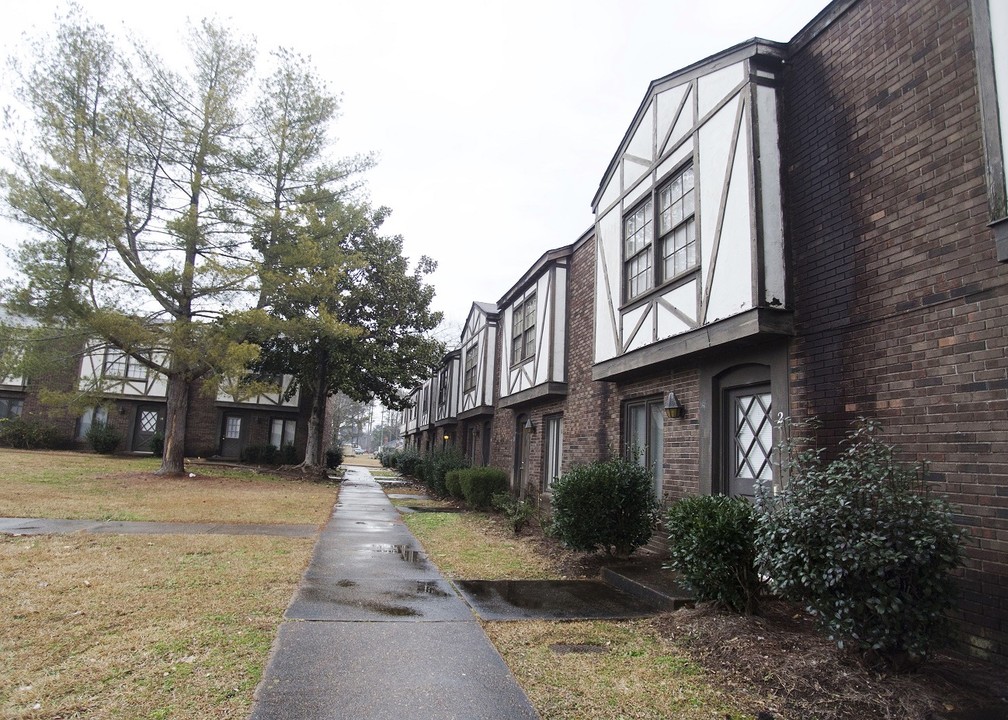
point(790, 670)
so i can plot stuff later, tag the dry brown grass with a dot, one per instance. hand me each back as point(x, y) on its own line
point(140, 626)
point(632, 672)
point(97, 487)
point(477, 546)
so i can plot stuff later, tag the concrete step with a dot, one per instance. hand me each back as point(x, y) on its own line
point(655, 586)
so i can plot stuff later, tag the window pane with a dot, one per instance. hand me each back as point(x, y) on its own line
point(135, 370)
point(554, 448)
point(290, 427)
point(636, 438)
point(656, 444)
point(85, 423)
point(115, 363)
point(149, 420)
point(753, 437)
point(276, 433)
point(232, 428)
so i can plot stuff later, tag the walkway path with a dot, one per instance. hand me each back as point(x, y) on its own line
point(375, 632)
point(50, 526)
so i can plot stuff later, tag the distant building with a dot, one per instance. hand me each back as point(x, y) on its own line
point(132, 398)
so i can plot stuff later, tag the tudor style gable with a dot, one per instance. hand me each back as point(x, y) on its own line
point(446, 389)
point(534, 332)
point(110, 371)
point(689, 216)
point(477, 353)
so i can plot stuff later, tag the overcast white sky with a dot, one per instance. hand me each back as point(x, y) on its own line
point(493, 121)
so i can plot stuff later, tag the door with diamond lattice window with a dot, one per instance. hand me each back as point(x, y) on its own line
point(150, 419)
point(748, 443)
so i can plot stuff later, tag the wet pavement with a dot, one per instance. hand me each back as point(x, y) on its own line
point(46, 526)
point(375, 631)
point(552, 600)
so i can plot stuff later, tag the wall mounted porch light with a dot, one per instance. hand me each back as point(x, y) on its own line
point(529, 427)
point(446, 437)
point(673, 408)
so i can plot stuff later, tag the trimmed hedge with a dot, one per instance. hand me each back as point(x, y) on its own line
point(408, 462)
point(103, 438)
point(433, 468)
point(453, 484)
point(29, 434)
point(712, 547)
point(608, 505)
point(480, 484)
point(334, 457)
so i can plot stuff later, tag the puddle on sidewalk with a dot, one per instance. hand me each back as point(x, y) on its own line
point(550, 600)
point(406, 552)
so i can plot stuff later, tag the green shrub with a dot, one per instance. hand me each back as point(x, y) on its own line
point(157, 444)
point(287, 455)
point(260, 454)
point(453, 483)
point(388, 457)
point(408, 462)
point(518, 512)
point(865, 545)
point(712, 547)
point(607, 505)
point(480, 484)
point(28, 434)
point(103, 438)
point(436, 465)
point(334, 457)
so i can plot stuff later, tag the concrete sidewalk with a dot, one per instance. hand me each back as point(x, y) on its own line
point(51, 526)
point(375, 632)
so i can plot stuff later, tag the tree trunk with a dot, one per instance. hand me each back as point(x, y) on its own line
point(316, 421)
point(172, 463)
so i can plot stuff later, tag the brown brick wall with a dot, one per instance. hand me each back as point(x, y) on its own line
point(901, 307)
point(588, 434)
point(681, 444)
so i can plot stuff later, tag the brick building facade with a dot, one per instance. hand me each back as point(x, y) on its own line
point(814, 228)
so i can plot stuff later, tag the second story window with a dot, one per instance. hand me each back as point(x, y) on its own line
point(674, 236)
point(443, 387)
point(637, 250)
point(523, 322)
point(676, 228)
point(120, 365)
point(469, 376)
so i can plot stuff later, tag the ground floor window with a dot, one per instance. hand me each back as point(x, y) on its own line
point(553, 444)
point(282, 432)
point(232, 427)
point(11, 408)
point(643, 436)
point(88, 418)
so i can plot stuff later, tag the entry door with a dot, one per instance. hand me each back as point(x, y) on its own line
point(523, 440)
point(149, 420)
point(749, 440)
point(231, 436)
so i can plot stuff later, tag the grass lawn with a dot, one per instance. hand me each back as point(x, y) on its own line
point(99, 487)
point(624, 670)
point(140, 626)
point(629, 670)
point(143, 626)
point(476, 546)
